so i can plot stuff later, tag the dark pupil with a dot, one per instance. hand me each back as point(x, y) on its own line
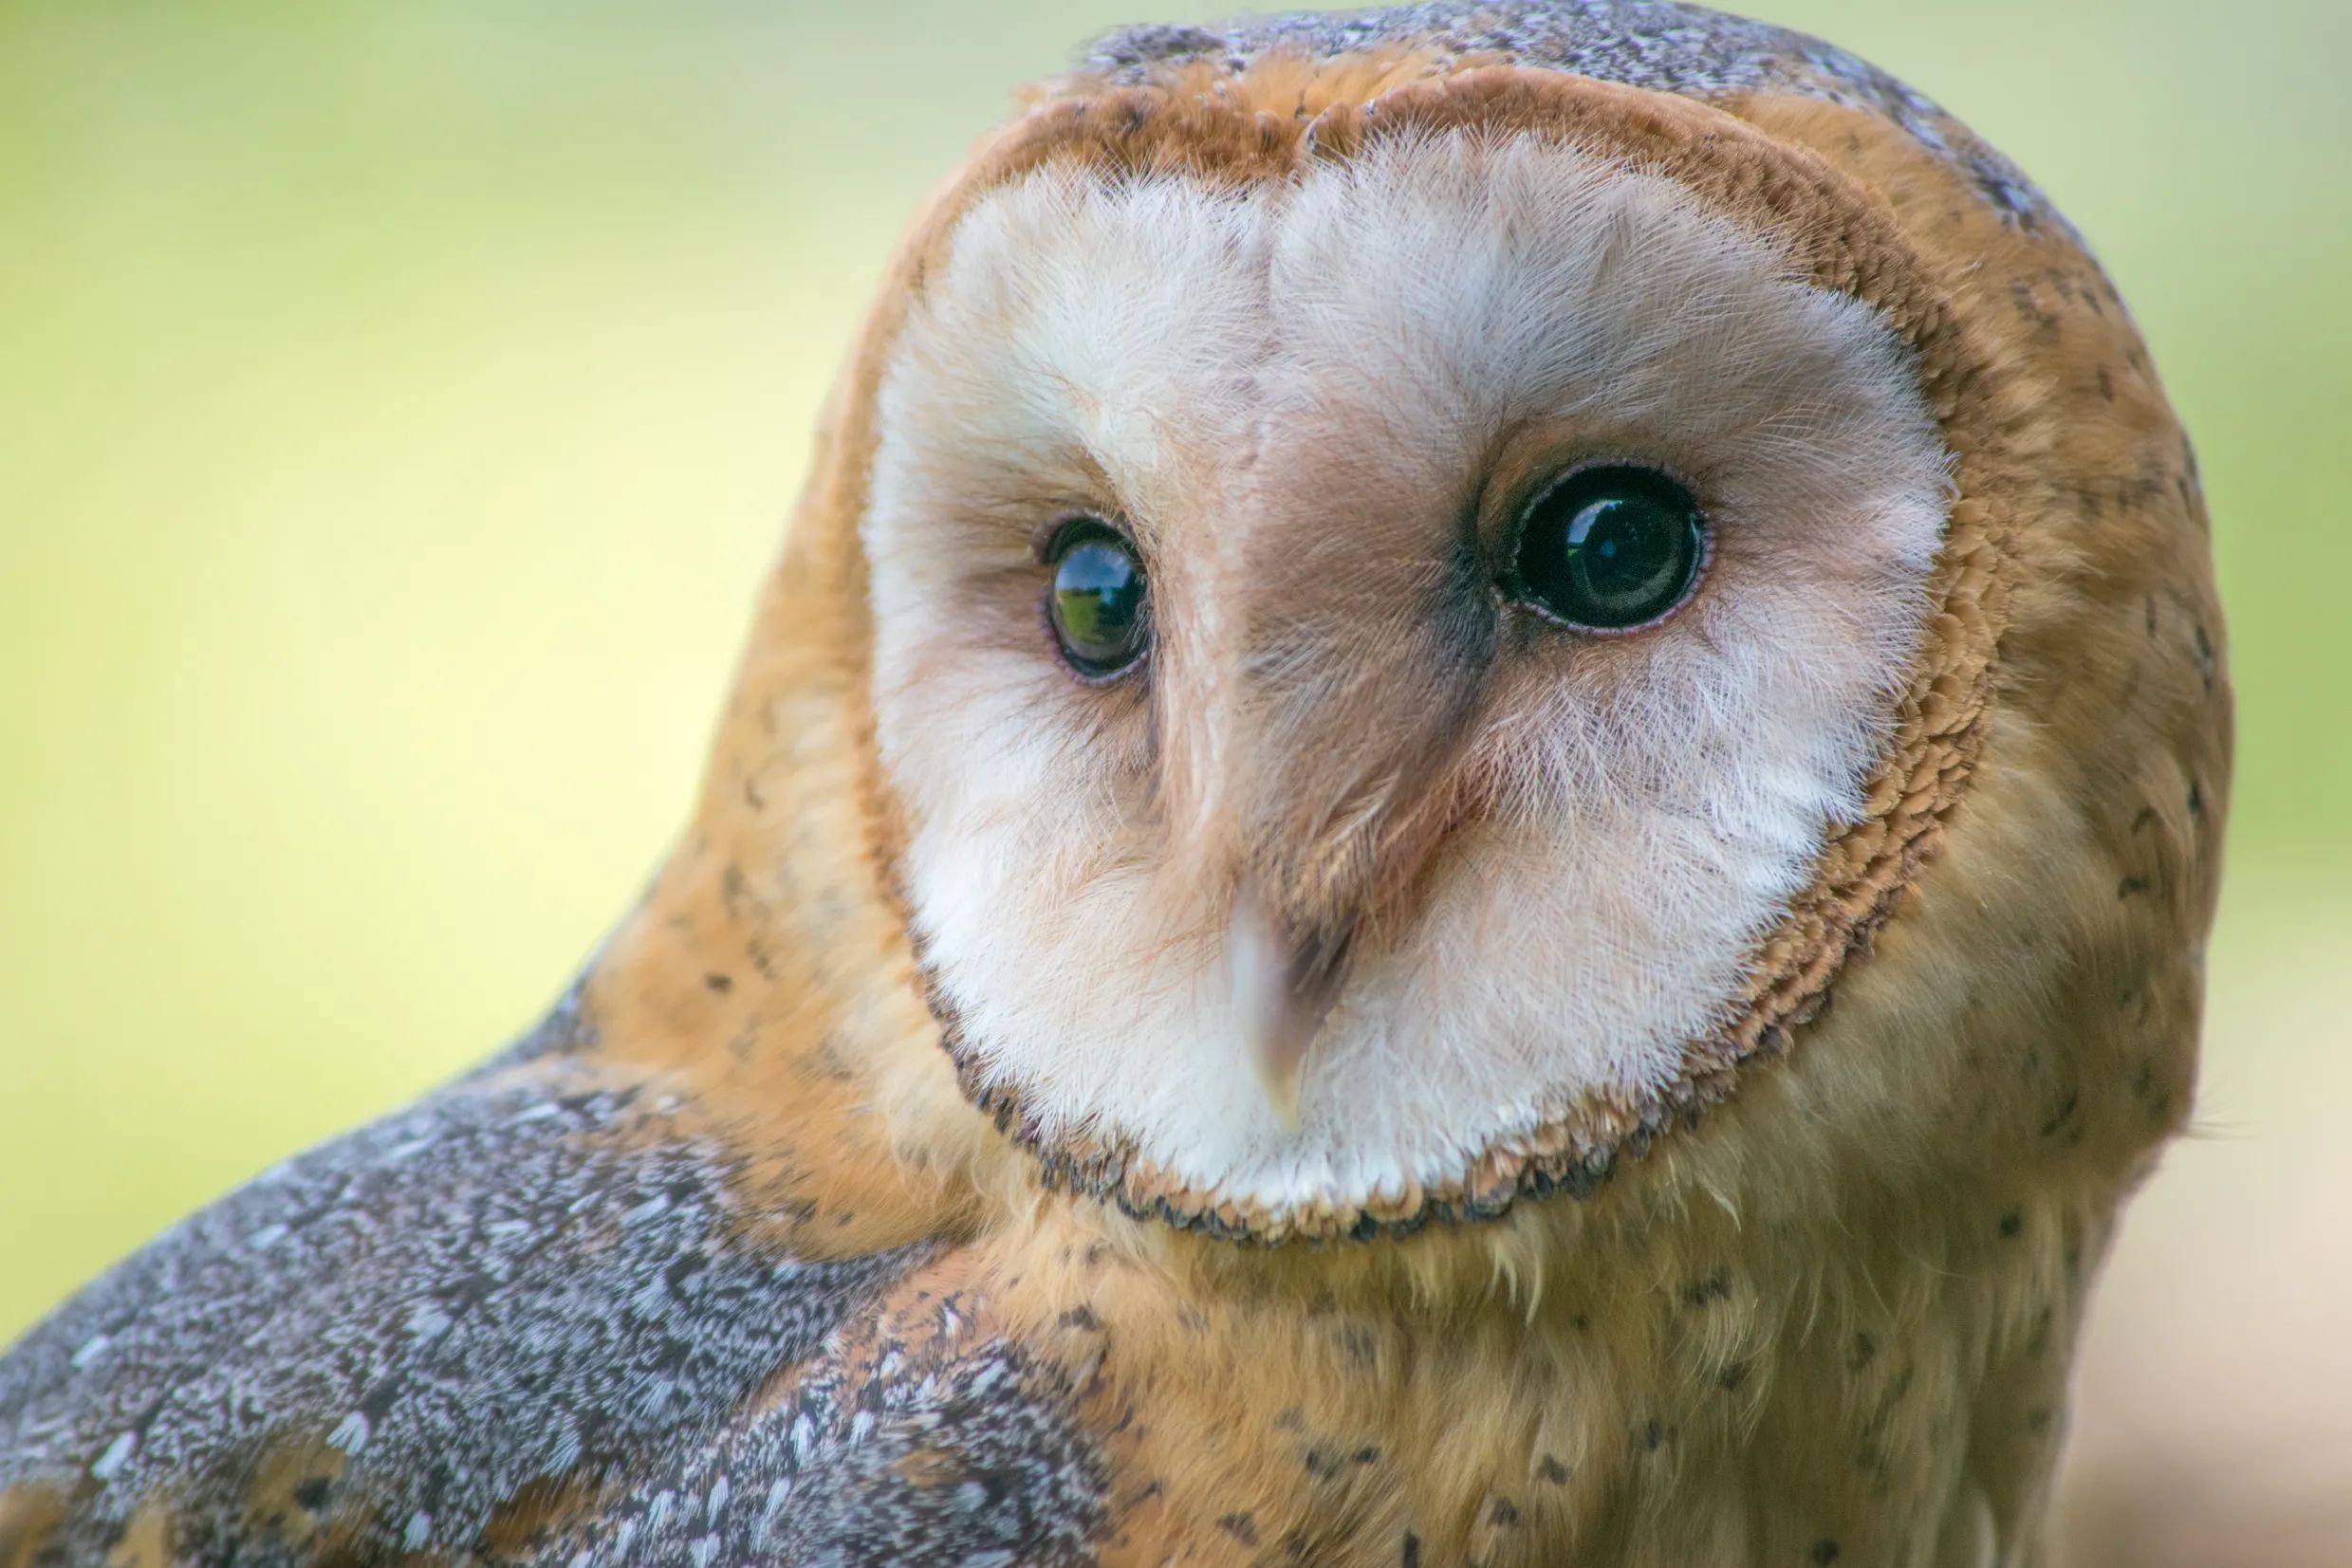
point(1097, 602)
point(1611, 548)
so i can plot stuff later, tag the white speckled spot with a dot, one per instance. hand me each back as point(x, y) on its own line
point(804, 1439)
point(117, 1455)
point(428, 1321)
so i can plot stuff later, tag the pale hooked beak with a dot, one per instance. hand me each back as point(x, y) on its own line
point(1284, 988)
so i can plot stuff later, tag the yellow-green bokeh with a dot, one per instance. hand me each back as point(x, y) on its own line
point(399, 402)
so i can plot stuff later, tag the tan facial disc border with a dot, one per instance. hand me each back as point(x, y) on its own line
point(1836, 234)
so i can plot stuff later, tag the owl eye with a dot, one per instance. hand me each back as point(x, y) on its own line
point(1096, 601)
point(1609, 549)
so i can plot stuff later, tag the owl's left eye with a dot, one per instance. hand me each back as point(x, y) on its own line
point(1609, 549)
point(1095, 605)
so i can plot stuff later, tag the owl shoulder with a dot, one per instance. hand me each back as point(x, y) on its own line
point(417, 1337)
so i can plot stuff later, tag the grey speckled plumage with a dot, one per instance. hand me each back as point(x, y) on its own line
point(1659, 45)
point(516, 1277)
point(827, 1479)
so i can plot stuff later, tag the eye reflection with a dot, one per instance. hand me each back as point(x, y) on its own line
point(1096, 602)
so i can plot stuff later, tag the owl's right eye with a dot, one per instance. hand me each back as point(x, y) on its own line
point(1096, 604)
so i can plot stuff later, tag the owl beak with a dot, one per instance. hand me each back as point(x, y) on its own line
point(1285, 984)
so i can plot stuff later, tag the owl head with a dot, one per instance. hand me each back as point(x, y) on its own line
point(1416, 619)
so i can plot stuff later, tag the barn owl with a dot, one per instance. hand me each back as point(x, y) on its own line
point(1472, 823)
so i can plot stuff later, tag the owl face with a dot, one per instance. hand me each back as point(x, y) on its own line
point(1368, 657)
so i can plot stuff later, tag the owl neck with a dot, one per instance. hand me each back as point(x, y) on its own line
point(1607, 1383)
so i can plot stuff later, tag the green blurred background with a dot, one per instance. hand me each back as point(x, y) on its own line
point(399, 403)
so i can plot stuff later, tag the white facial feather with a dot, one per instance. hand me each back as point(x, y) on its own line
point(1227, 370)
